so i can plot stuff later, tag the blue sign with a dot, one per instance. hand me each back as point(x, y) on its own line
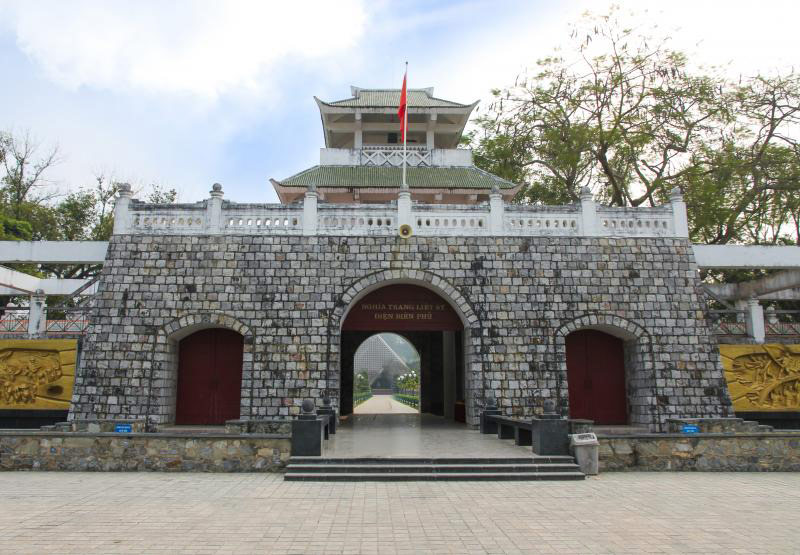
point(123, 428)
point(690, 429)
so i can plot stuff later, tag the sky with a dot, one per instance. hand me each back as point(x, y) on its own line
point(188, 93)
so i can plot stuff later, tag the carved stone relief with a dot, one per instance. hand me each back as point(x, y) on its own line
point(37, 374)
point(763, 377)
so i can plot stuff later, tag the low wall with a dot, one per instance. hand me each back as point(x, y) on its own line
point(719, 452)
point(23, 450)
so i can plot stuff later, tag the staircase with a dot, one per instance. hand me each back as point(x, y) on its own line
point(396, 469)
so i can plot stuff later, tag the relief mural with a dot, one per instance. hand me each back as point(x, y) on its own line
point(762, 377)
point(37, 374)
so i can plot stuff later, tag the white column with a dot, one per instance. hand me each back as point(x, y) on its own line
point(429, 132)
point(310, 211)
point(589, 227)
point(358, 139)
point(679, 218)
point(496, 211)
point(214, 209)
point(754, 319)
point(37, 316)
point(404, 208)
point(122, 215)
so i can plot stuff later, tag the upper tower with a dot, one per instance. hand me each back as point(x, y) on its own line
point(363, 155)
point(369, 118)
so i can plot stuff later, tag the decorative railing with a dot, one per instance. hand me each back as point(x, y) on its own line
point(728, 322)
point(67, 320)
point(178, 219)
point(14, 320)
point(657, 221)
point(443, 219)
point(783, 323)
point(58, 321)
point(275, 219)
point(345, 219)
point(215, 216)
point(393, 156)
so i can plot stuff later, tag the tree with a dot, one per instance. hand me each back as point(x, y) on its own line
point(748, 186)
point(23, 180)
point(627, 116)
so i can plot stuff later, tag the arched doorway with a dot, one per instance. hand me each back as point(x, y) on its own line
point(596, 377)
point(209, 377)
point(386, 372)
point(430, 324)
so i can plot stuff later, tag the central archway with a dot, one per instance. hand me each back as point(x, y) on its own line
point(430, 324)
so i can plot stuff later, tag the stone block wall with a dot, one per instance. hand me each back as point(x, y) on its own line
point(287, 295)
point(712, 452)
point(142, 452)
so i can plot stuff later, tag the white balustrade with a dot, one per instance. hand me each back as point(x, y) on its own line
point(309, 218)
point(450, 220)
point(636, 222)
point(393, 156)
point(356, 220)
point(275, 219)
point(520, 223)
point(166, 221)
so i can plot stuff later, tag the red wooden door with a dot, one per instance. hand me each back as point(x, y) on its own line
point(596, 377)
point(209, 377)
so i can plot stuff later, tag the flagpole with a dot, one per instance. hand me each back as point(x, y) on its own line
point(405, 130)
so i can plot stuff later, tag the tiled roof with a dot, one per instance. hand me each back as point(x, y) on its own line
point(468, 177)
point(383, 98)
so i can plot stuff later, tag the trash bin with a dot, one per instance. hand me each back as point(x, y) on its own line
point(585, 447)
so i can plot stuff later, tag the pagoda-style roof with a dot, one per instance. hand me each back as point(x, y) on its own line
point(379, 183)
point(369, 117)
point(390, 98)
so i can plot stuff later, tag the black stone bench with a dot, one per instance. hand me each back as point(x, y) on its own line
point(547, 434)
point(520, 431)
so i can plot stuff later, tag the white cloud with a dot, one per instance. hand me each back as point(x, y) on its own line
point(204, 48)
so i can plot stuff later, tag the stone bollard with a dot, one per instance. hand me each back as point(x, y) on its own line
point(489, 426)
point(550, 432)
point(307, 432)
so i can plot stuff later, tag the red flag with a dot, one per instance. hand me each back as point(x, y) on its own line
point(401, 111)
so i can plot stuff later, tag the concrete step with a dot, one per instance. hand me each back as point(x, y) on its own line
point(307, 468)
point(435, 476)
point(536, 459)
point(391, 469)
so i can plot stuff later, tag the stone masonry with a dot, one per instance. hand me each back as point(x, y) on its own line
point(287, 295)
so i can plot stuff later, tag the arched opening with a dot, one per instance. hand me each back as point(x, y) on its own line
point(430, 324)
point(596, 377)
point(386, 376)
point(209, 377)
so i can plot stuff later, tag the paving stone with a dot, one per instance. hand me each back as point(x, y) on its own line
point(634, 512)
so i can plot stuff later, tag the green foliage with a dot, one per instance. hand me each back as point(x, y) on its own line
point(408, 381)
point(628, 117)
point(359, 398)
point(361, 383)
point(406, 399)
point(14, 230)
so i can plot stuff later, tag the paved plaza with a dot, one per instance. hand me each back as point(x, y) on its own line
point(415, 435)
point(383, 404)
point(48, 512)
